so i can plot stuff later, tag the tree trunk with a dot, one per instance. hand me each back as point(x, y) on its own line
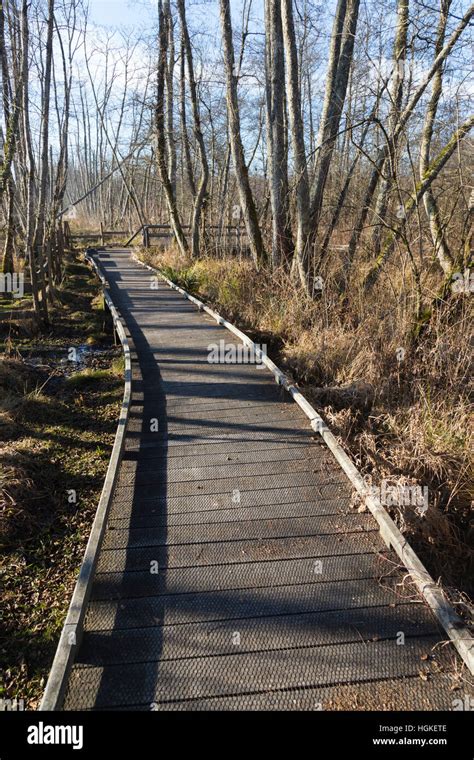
point(247, 204)
point(277, 159)
point(39, 233)
point(437, 235)
point(31, 181)
point(11, 108)
point(301, 180)
point(388, 169)
point(184, 129)
point(160, 133)
point(7, 259)
point(169, 83)
point(200, 198)
point(342, 48)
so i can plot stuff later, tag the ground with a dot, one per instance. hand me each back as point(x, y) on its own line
point(57, 425)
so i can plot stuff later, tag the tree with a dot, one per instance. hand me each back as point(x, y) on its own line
point(200, 195)
point(39, 240)
point(301, 179)
point(277, 154)
point(432, 212)
point(249, 211)
point(164, 22)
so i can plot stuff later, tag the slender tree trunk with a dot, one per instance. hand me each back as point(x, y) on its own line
point(388, 169)
point(169, 83)
point(31, 183)
point(342, 47)
point(247, 204)
point(39, 233)
point(8, 248)
point(437, 235)
point(11, 114)
point(11, 108)
point(184, 129)
point(62, 161)
point(301, 259)
point(277, 159)
point(161, 154)
point(200, 198)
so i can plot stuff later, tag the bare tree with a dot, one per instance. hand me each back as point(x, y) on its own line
point(164, 22)
point(342, 47)
point(277, 154)
point(200, 196)
point(401, 123)
point(169, 88)
point(437, 234)
point(388, 166)
point(301, 179)
point(247, 204)
point(11, 114)
point(426, 182)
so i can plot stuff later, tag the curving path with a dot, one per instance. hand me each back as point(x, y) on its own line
point(234, 573)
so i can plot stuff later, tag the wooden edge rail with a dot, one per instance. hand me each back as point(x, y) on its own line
point(100, 234)
point(71, 633)
point(432, 593)
point(168, 228)
point(154, 231)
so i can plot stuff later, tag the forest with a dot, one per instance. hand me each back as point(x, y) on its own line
point(306, 169)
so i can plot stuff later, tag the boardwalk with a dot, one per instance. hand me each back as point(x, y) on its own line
point(234, 572)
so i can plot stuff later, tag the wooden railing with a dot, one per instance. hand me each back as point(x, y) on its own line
point(226, 234)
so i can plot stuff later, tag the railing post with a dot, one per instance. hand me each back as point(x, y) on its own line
point(102, 239)
point(146, 237)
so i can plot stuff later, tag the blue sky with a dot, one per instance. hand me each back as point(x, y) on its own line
point(138, 13)
point(121, 12)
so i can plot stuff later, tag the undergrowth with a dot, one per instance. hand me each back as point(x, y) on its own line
point(57, 425)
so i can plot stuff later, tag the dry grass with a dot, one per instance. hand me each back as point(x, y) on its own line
point(418, 424)
point(56, 433)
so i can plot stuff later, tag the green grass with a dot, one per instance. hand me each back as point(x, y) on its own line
point(87, 377)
